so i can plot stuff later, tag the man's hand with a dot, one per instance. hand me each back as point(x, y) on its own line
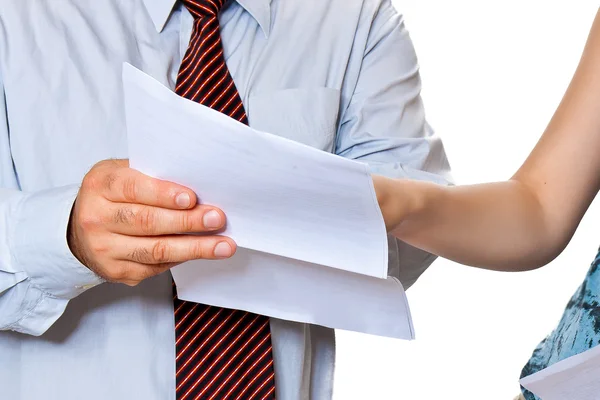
point(126, 226)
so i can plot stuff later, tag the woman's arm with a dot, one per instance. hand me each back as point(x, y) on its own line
point(527, 221)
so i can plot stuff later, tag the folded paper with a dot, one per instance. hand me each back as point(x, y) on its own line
point(312, 244)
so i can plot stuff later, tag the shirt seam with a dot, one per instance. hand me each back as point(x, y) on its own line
point(29, 312)
point(11, 234)
point(15, 259)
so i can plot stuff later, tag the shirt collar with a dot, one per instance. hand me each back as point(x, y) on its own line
point(160, 10)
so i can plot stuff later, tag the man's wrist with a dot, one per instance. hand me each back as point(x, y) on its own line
point(73, 239)
point(40, 244)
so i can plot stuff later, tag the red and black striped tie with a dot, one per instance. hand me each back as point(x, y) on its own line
point(220, 353)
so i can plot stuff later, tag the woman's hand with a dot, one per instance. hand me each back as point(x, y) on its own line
point(499, 226)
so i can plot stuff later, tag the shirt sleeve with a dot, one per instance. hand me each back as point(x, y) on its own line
point(38, 272)
point(384, 123)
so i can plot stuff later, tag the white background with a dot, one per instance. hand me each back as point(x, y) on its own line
point(493, 74)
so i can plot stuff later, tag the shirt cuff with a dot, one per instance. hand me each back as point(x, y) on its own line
point(400, 171)
point(38, 310)
point(40, 246)
point(407, 263)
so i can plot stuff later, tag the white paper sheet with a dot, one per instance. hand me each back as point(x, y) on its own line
point(312, 245)
point(575, 378)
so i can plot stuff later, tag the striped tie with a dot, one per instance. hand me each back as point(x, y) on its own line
point(220, 353)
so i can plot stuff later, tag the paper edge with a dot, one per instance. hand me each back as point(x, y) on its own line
point(385, 249)
point(288, 317)
point(136, 76)
point(561, 366)
point(411, 325)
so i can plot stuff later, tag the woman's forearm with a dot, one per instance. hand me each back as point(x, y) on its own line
point(499, 226)
point(525, 222)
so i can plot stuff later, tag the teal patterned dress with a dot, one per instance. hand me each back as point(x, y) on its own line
point(578, 330)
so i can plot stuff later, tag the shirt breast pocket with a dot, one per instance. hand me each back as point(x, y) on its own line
point(305, 115)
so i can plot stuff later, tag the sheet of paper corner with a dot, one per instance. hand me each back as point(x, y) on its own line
point(303, 254)
point(574, 378)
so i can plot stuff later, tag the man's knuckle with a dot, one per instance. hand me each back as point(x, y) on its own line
point(198, 251)
point(146, 220)
point(186, 222)
point(89, 220)
point(141, 255)
point(109, 179)
point(99, 247)
point(100, 177)
point(124, 215)
point(161, 252)
point(130, 189)
point(103, 164)
point(92, 181)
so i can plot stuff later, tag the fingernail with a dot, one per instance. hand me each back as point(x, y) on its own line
point(223, 250)
point(183, 200)
point(212, 220)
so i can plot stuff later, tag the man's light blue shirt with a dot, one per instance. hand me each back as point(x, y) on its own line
point(339, 75)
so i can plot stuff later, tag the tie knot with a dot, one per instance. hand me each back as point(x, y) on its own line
point(203, 8)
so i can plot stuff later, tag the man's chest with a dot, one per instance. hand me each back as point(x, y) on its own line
point(62, 66)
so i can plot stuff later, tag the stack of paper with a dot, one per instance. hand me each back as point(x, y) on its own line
point(575, 378)
point(312, 244)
